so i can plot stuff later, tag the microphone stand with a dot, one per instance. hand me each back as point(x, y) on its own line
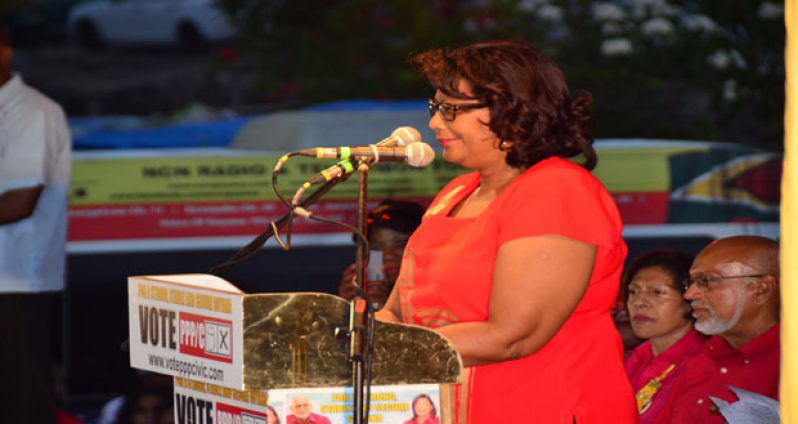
point(358, 310)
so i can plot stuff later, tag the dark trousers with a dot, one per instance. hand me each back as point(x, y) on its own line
point(25, 360)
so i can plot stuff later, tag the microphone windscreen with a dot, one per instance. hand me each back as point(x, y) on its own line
point(419, 154)
point(406, 135)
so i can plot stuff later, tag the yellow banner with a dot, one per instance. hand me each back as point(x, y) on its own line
point(194, 177)
point(202, 178)
point(789, 236)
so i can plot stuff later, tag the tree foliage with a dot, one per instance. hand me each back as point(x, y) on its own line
point(673, 69)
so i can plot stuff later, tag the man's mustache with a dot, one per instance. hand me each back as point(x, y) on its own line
point(700, 304)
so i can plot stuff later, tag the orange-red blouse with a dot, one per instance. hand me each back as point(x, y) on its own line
point(447, 278)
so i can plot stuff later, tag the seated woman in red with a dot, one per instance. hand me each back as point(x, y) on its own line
point(660, 315)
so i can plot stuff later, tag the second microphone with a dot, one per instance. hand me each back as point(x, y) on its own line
point(414, 154)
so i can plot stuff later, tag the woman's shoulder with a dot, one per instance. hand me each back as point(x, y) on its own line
point(564, 170)
point(557, 196)
point(638, 356)
point(559, 177)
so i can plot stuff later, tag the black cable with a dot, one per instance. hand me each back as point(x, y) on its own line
point(254, 246)
point(276, 187)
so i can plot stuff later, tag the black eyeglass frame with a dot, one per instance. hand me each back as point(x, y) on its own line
point(447, 109)
point(704, 280)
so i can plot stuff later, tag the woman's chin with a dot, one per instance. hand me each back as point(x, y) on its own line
point(455, 158)
point(643, 333)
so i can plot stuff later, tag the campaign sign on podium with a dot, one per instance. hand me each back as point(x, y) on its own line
point(201, 327)
point(187, 326)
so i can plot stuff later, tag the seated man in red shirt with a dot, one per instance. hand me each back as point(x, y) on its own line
point(734, 292)
point(302, 412)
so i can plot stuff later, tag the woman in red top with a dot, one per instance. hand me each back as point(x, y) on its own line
point(660, 315)
point(518, 263)
point(424, 411)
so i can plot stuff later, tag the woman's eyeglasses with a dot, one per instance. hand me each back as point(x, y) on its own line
point(704, 281)
point(449, 110)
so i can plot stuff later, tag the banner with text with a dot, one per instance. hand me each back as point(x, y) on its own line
point(187, 326)
point(212, 194)
point(197, 402)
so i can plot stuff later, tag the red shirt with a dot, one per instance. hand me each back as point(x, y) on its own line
point(642, 366)
point(447, 274)
point(753, 367)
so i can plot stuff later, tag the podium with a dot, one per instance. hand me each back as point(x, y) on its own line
point(238, 357)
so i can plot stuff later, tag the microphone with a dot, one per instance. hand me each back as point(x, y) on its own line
point(418, 154)
point(412, 154)
point(401, 136)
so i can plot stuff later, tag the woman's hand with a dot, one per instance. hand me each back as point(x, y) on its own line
point(537, 283)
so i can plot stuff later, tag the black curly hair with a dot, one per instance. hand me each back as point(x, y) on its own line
point(675, 262)
point(529, 100)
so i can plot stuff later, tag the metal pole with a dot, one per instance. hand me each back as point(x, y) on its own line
point(358, 312)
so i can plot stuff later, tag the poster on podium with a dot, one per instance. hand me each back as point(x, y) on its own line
point(187, 326)
point(197, 402)
point(237, 357)
point(203, 328)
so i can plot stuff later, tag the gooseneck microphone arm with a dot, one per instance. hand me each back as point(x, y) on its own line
point(254, 246)
point(400, 137)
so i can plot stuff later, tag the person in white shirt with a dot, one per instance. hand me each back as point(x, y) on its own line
point(35, 147)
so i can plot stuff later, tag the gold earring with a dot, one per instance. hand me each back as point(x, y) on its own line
point(505, 145)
